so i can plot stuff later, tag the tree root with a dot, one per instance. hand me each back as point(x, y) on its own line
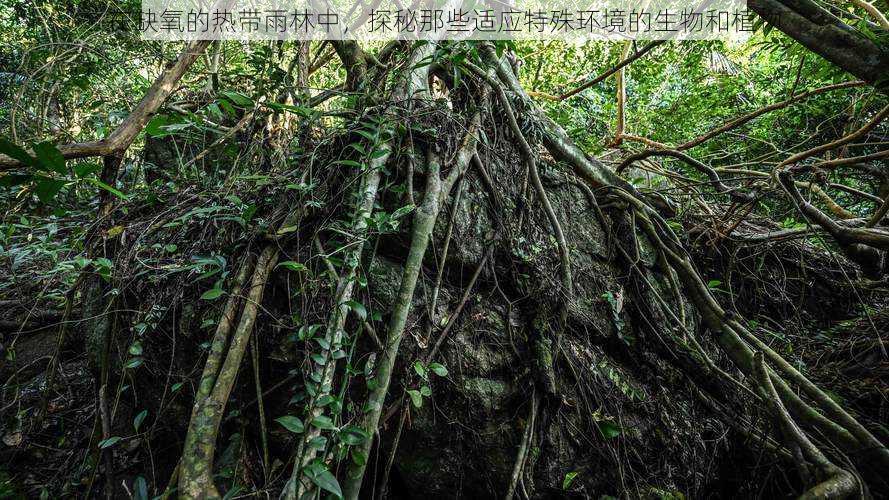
point(841, 428)
point(436, 192)
point(334, 330)
point(196, 470)
point(525, 445)
point(839, 483)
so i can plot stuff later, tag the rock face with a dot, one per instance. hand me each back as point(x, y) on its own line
point(618, 415)
point(612, 419)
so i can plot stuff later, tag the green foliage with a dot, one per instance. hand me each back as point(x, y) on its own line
point(609, 430)
point(358, 308)
point(293, 266)
point(569, 478)
point(291, 423)
point(321, 476)
point(139, 418)
point(8, 489)
point(107, 443)
point(212, 294)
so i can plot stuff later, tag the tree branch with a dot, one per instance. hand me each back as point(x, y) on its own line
point(124, 135)
point(826, 35)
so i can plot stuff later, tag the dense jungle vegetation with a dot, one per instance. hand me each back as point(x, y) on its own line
point(444, 270)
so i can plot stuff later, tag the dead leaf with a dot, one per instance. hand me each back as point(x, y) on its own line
point(13, 439)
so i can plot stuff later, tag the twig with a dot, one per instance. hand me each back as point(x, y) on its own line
point(611, 71)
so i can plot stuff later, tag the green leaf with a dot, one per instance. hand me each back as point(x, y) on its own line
point(12, 180)
point(323, 422)
point(105, 443)
point(227, 108)
point(233, 493)
point(106, 187)
point(134, 363)
point(358, 457)
point(238, 99)
point(291, 423)
point(12, 150)
point(135, 348)
point(212, 294)
point(421, 370)
point(569, 478)
point(214, 110)
point(713, 283)
point(305, 332)
point(140, 489)
point(46, 188)
point(115, 231)
point(401, 212)
point(156, 126)
point(140, 417)
point(318, 443)
point(353, 435)
point(305, 112)
point(609, 430)
point(379, 153)
point(293, 266)
point(359, 309)
point(350, 163)
point(325, 480)
point(416, 397)
point(50, 158)
point(438, 369)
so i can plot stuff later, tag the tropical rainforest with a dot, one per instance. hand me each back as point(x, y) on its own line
point(452, 269)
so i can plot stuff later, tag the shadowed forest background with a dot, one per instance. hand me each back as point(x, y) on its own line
point(444, 270)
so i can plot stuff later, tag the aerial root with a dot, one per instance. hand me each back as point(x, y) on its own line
point(822, 412)
point(522, 455)
point(297, 486)
point(195, 474)
point(437, 190)
point(838, 483)
point(528, 157)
